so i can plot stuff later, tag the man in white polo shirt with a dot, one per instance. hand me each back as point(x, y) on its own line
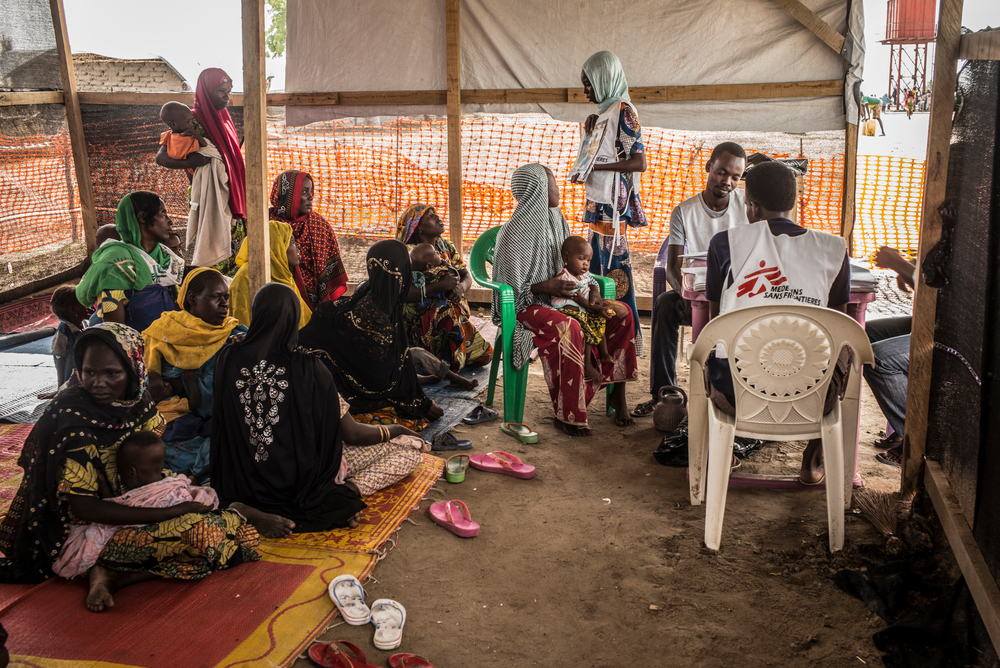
point(693, 223)
point(773, 261)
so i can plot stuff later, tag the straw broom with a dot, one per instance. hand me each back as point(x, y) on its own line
point(880, 509)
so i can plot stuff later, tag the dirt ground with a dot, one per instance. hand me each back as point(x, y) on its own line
point(598, 560)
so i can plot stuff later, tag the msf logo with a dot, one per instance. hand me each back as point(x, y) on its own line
point(754, 282)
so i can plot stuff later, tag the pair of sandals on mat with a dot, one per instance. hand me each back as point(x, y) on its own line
point(386, 615)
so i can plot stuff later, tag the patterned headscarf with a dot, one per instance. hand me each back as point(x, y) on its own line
point(322, 269)
point(286, 193)
point(221, 131)
point(528, 249)
point(606, 75)
point(409, 220)
point(127, 345)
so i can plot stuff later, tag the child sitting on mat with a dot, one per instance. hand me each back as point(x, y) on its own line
point(180, 144)
point(586, 305)
point(140, 470)
point(72, 316)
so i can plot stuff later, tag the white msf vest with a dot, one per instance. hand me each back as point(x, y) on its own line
point(604, 187)
point(699, 227)
point(771, 270)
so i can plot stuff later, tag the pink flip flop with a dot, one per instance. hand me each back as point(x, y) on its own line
point(502, 462)
point(462, 525)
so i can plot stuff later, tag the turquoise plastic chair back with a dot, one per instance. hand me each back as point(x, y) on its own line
point(515, 381)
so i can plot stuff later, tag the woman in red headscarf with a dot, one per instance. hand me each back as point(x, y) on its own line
point(322, 268)
point(210, 101)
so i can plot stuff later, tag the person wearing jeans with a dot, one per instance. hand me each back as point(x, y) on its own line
point(887, 377)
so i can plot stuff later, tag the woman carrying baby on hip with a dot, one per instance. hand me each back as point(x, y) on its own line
point(586, 305)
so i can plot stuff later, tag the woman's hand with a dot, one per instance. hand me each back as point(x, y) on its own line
point(588, 125)
point(189, 507)
point(456, 294)
point(555, 287)
point(447, 284)
point(399, 430)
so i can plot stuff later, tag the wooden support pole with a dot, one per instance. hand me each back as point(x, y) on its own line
point(814, 23)
point(957, 529)
point(255, 144)
point(75, 122)
point(925, 297)
point(454, 123)
point(847, 208)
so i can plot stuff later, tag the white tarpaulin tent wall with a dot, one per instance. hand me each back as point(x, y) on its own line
point(757, 65)
point(507, 45)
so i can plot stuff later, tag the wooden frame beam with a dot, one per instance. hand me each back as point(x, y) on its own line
point(848, 209)
point(980, 45)
point(813, 23)
point(454, 98)
point(925, 297)
point(17, 98)
point(255, 144)
point(764, 91)
point(978, 576)
point(75, 122)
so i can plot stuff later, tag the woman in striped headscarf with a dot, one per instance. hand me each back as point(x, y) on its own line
point(526, 257)
point(437, 318)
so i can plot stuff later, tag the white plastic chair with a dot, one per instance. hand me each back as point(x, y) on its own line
point(782, 359)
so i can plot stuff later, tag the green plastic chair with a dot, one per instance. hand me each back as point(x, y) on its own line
point(515, 381)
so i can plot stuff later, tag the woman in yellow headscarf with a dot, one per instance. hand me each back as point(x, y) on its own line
point(180, 352)
point(284, 270)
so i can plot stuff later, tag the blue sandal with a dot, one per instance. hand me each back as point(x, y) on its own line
point(481, 414)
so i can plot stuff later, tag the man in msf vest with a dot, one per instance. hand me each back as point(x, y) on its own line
point(773, 261)
point(693, 223)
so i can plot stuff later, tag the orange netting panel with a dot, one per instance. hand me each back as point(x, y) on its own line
point(39, 204)
point(889, 198)
point(367, 172)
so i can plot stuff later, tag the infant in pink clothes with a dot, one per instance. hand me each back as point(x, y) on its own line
point(140, 470)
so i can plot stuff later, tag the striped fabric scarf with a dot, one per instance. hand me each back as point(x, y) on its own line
point(528, 249)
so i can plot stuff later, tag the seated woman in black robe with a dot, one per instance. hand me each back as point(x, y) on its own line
point(366, 342)
point(276, 429)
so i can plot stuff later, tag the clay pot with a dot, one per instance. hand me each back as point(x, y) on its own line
point(671, 409)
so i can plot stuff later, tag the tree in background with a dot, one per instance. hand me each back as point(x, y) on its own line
point(274, 39)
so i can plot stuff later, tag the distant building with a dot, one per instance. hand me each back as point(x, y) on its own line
point(95, 72)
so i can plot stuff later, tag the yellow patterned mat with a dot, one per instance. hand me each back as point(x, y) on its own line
point(12, 438)
point(385, 512)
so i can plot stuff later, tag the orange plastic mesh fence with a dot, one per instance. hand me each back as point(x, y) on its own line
point(366, 173)
point(889, 195)
point(39, 204)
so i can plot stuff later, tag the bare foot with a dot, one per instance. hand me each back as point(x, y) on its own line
point(812, 472)
point(620, 404)
point(427, 380)
point(459, 381)
point(269, 526)
point(102, 582)
point(571, 429)
point(354, 521)
point(435, 412)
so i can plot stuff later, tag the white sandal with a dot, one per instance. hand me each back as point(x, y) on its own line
point(388, 616)
point(349, 597)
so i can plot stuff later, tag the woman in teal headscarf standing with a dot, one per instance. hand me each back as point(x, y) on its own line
point(613, 204)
